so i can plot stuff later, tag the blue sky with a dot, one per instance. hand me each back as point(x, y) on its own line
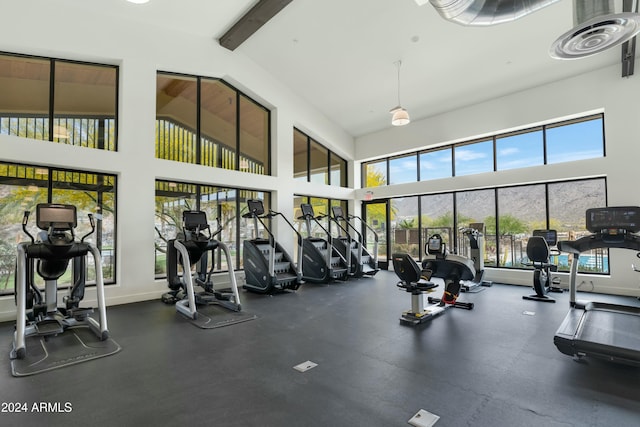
point(566, 143)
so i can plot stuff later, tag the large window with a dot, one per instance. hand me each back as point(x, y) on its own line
point(473, 158)
point(205, 121)
point(575, 140)
point(318, 163)
point(519, 150)
point(313, 162)
point(477, 207)
point(404, 226)
point(403, 169)
point(568, 203)
point(61, 101)
point(436, 164)
point(374, 174)
point(24, 186)
point(224, 208)
point(520, 210)
point(553, 143)
point(437, 218)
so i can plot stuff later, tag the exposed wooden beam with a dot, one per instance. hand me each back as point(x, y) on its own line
point(251, 22)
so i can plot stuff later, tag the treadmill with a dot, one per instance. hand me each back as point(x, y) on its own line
point(597, 329)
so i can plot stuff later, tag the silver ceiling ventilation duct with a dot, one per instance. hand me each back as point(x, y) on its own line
point(597, 28)
point(487, 12)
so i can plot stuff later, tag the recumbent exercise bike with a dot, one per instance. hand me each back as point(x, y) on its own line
point(452, 269)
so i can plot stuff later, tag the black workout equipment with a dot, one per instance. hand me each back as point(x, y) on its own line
point(539, 253)
point(321, 261)
point(38, 314)
point(361, 262)
point(452, 269)
point(190, 248)
point(268, 268)
point(596, 329)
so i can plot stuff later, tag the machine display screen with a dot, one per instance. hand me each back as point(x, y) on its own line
point(337, 212)
point(551, 236)
point(307, 209)
point(434, 245)
point(618, 218)
point(58, 216)
point(193, 219)
point(255, 206)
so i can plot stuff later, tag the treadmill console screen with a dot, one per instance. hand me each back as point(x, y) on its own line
point(255, 206)
point(614, 218)
point(307, 210)
point(337, 212)
point(551, 236)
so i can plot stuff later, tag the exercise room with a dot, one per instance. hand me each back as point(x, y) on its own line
point(319, 213)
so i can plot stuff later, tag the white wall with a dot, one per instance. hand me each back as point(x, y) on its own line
point(597, 91)
point(140, 52)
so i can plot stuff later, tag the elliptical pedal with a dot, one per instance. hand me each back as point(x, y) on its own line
point(48, 327)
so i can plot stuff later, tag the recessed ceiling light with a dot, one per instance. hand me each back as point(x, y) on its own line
point(138, 1)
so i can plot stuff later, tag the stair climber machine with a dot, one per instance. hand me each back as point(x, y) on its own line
point(451, 269)
point(190, 249)
point(362, 262)
point(539, 252)
point(38, 314)
point(321, 261)
point(476, 253)
point(268, 268)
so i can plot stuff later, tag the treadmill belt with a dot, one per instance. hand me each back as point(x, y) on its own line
point(621, 330)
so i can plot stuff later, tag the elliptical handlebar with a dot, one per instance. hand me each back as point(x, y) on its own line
point(93, 228)
point(25, 220)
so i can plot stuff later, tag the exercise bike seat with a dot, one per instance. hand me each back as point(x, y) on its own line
point(412, 278)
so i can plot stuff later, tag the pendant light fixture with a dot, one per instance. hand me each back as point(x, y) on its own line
point(400, 116)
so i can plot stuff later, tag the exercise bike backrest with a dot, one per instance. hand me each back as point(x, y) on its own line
point(538, 246)
point(406, 268)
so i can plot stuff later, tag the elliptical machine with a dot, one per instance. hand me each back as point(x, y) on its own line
point(191, 247)
point(268, 268)
point(49, 255)
point(451, 269)
point(539, 252)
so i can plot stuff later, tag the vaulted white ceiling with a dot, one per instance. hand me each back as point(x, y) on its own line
point(339, 54)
